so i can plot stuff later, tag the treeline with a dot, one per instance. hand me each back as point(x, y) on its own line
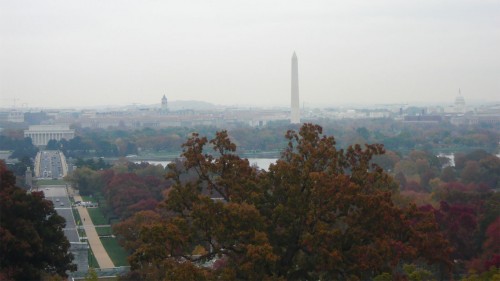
point(422, 171)
point(396, 136)
point(460, 200)
point(463, 198)
point(125, 188)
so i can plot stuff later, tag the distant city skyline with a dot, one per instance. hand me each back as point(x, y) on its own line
point(94, 53)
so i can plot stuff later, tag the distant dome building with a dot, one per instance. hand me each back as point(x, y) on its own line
point(460, 103)
point(164, 103)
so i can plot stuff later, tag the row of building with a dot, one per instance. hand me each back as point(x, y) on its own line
point(45, 125)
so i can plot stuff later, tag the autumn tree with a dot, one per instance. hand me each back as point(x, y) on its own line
point(128, 193)
point(471, 172)
point(448, 174)
point(128, 231)
point(490, 257)
point(492, 245)
point(459, 222)
point(319, 213)
point(31, 234)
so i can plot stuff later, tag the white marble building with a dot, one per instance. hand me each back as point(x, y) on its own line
point(41, 134)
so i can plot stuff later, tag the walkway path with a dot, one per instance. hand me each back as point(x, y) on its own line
point(100, 253)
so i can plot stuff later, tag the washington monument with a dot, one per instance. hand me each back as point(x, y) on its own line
point(295, 113)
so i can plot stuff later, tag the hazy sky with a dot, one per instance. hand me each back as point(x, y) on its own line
point(231, 52)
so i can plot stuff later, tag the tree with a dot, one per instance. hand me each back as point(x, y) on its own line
point(490, 171)
point(315, 215)
point(459, 223)
point(31, 234)
point(363, 132)
point(491, 246)
point(52, 145)
point(490, 257)
point(86, 180)
point(19, 168)
point(386, 160)
point(128, 231)
point(91, 275)
point(407, 167)
point(448, 174)
point(24, 148)
point(128, 193)
point(471, 172)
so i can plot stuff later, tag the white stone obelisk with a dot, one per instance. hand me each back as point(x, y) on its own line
point(295, 112)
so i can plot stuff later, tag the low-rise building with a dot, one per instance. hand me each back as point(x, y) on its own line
point(42, 134)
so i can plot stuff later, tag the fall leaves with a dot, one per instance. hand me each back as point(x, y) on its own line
point(32, 241)
point(318, 213)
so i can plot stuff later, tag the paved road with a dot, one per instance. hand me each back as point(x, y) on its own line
point(50, 165)
point(58, 194)
point(100, 253)
point(59, 197)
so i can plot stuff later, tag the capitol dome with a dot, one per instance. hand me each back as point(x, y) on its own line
point(460, 101)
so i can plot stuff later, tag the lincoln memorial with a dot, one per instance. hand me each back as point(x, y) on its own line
point(41, 134)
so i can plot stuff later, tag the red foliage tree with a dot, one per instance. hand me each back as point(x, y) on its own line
point(459, 223)
point(32, 240)
point(490, 256)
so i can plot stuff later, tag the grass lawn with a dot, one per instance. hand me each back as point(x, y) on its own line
point(117, 254)
point(97, 217)
point(77, 217)
point(81, 233)
point(52, 182)
point(92, 260)
point(103, 231)
point(87, 198)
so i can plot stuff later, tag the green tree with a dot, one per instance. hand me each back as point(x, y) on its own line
point(31, 234)
point(91, 275)
point(24, 148)
point(86, 180)
point(417, 274)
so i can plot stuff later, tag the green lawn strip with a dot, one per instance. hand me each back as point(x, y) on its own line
point(117, 254)
point(76, 215)
point(103, 231)
point(97, 197)
point(92, 260)
point(51, 182)
point(81, 233)
point(97, 217)
point(87, 198)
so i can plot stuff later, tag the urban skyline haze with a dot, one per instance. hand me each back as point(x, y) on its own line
point(88, 53)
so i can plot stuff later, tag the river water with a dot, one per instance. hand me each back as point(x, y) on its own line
point(262, 163)
point(451, 158)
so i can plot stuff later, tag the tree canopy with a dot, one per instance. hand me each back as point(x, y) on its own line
point(319, 213)
point(32, 241)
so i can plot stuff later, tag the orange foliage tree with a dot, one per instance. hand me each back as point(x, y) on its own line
point(319, 213)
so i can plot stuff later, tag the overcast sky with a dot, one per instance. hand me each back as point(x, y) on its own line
point(94, 52)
